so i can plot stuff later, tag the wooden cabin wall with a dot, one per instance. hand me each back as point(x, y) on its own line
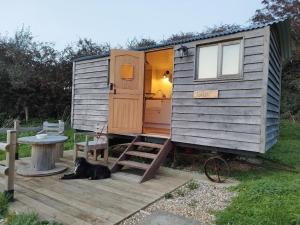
point(90, 94)
point(273, 91)
point(234, 119)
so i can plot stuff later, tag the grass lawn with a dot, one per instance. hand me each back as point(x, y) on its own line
point(269, 196)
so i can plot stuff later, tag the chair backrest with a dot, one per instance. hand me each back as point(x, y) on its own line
point(54, 128)
point(102, 131)
point(101, 139)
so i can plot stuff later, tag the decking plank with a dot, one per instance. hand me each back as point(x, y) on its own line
point(89, 196)
point(123, 190)
point(80, 205)
point(87, 202)
point(50, 211)
point(62, 206)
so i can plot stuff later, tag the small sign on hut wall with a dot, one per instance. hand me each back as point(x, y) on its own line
point(206, 94)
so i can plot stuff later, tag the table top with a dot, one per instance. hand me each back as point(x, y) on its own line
point(50, 139)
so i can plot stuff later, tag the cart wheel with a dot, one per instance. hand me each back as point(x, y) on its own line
point(216, 169)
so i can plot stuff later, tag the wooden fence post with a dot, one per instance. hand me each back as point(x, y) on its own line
point(17, 129)
point(10, 160)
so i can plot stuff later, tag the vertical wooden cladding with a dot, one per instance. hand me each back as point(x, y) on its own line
point(90, 93)
point(273, 90)
point(234, 119)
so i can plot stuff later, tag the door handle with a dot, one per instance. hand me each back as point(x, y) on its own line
point(111, 86)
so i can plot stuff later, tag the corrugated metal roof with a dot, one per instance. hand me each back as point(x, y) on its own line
point(103, 55)
point(196, 38)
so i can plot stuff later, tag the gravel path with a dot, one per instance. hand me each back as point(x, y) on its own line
point(196, 200)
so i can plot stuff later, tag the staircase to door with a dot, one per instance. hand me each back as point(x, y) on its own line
point(151, 151)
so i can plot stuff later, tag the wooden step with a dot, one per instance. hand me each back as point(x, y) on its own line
point(149, 169)
point(141, 154)
point(147, 144)
point(134, 164)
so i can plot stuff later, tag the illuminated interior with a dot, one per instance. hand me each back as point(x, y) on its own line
point(158, 91)
point(157, 64)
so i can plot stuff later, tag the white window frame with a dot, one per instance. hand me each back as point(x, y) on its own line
point(220, 45)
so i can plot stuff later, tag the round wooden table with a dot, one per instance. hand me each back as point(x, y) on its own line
point(43, 156)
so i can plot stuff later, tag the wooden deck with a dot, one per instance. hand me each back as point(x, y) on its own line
point(86, 202)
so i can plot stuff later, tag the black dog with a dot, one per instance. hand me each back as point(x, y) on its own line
point(84, 169)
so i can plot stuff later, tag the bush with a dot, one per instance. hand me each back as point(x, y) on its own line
point(291, 117)
point(3, 117)
point(286, 115)
point(297, 116)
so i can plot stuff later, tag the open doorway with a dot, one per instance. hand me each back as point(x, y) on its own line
point(158, 91)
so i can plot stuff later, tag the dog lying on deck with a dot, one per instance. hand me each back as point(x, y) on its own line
point(84, 169)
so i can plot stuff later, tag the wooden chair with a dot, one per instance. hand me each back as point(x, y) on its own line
point(55, 129)
point(98, 146)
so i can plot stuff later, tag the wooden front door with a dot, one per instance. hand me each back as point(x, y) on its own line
point(126, 91)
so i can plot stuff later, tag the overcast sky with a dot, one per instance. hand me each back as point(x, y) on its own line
point(115, 21)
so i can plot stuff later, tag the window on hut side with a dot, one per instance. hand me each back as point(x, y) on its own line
point(222, 60)
point(208, 62)
point(230, 59)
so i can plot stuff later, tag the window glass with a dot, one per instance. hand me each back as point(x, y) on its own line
point(231, 59)
point(208, 62)
point(126, 71)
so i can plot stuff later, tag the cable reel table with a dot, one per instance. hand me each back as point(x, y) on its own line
point(43, 156)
